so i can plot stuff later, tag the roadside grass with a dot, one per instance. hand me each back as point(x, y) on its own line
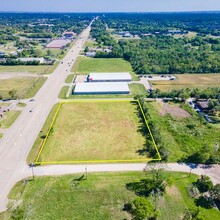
point(39, 140)
point(21, 104)
point(136, 89)
point(63, 92)
point(182, 136)
point(69, 78)
point(83, 122)
point(85, 65)
point(9, 118)
point(40, 69)
point(100, 196)
point(188, 81)
point(90, 43)
point(1, 135)
point(26, 87)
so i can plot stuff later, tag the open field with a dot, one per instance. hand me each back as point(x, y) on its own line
point(39, 69)
point(181, 133)
point(26, 87)
point(9, 118)
point(83, 122)
point(85, 65)
point(67, 196)
point(188, 81)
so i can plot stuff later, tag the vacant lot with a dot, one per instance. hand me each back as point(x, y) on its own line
point(188, 81)
point(25, 87)
point(85, 65)
point(101, 196)
point(41, 69)
point(9, 118)
point(95, 131)
point(182, 136)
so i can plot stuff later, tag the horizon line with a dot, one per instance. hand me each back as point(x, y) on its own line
point(134, 12)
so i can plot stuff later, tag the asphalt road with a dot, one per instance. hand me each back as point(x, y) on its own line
point(19, 139)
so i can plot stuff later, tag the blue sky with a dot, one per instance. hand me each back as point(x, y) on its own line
point(109, 5)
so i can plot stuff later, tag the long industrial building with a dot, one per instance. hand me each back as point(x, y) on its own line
point(101, 88)
point(109, 77)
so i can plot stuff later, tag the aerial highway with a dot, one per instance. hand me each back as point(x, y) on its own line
point(19, 139)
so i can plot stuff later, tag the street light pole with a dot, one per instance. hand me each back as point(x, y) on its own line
point(32, 169)
point(86, 172)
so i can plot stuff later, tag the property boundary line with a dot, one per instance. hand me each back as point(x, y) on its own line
point(37, 162)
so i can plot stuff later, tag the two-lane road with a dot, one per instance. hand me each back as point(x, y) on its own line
point(18, 140)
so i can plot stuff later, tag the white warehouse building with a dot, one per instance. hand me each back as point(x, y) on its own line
point(101, 88)
point(108, 77)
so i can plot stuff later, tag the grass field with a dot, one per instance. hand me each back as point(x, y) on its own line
point(44, 69)
point(26, 87)
point(188, 81)
point(69, 78)
point(182, 136)
point(85, 65)
point(101, 196)
point(9, 119)
point(82, 123)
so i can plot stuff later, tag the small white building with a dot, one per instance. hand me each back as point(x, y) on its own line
point(101, 88)
point(109, 77)
point(31, 59)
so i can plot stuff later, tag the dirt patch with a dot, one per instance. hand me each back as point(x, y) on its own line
point(173, 110)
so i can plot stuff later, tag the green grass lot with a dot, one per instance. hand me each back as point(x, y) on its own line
point(26, 87)
point(90, 43)
point(83, 122)
point(188, 81)
point(85, 65)
point(101, 196)
point(182, 136)
point(69, 78)
point(21, 104)
point(9, 119)
point(136, 89)
point(40, 69)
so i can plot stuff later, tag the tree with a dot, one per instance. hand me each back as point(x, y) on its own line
point(215, 192)
point(193, 214)
point(141, 209)
point(86, 49)
point(12, 93)
point(204, 184)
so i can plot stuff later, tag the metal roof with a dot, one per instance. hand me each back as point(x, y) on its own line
point(110, 76)
point(102, 87)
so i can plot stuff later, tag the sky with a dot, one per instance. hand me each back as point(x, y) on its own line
point(109, 5)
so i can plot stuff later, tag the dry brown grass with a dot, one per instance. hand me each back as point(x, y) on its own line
point(188, 81)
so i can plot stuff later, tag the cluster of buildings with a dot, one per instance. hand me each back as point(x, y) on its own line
point(104, 83)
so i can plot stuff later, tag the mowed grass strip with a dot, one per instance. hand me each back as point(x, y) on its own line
point(85, 65)
point(101, 196)
point(90, 131)
point(26, 87)
point(188, 81)
point(38, 69)
point(9, 118)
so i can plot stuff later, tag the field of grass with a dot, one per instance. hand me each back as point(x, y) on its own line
point(63, 92)
point(69, 78)
point(82, 123)
point(182, 136)
point(41, 69)
point(85, 65)
point(9, 119)
point(26, 87)
point(188, 81)
point(101, 196)
point(90, 43)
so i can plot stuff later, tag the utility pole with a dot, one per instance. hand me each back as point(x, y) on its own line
point(86, 172)
point(31, 165)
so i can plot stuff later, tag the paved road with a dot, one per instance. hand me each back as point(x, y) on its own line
point(18, 140)
point(213, 172)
